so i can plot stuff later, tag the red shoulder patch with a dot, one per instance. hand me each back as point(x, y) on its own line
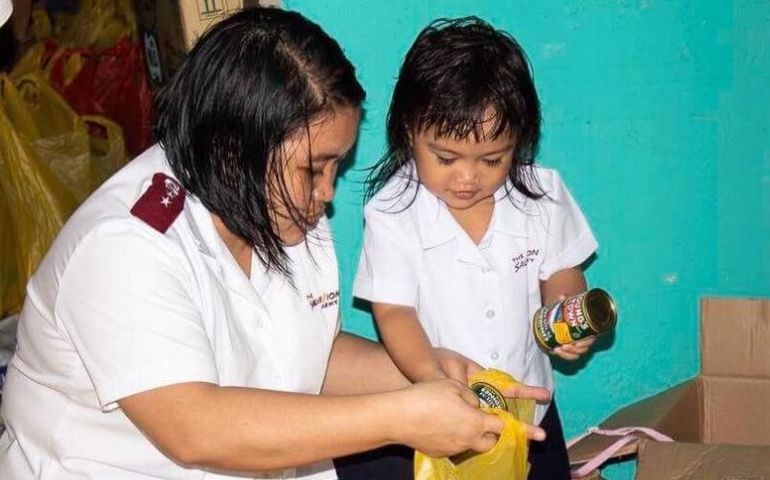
point(161, 203)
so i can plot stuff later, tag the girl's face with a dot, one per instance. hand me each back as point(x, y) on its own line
point(463, 173)
point(311, 158)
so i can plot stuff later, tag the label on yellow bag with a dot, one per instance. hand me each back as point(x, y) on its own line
point(508, 458)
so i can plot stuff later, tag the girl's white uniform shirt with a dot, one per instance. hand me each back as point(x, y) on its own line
point(118, 308)
point(478, 300)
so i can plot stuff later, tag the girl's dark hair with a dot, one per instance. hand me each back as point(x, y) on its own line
point(456, 70)
point(248, 84)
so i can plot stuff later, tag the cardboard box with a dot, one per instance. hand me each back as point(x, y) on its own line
point(169, 28)
point(696, 461)
point(728, 403)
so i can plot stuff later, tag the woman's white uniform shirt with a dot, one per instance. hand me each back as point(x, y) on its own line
point(6, 9)
point(119, 307)
point(478, 300)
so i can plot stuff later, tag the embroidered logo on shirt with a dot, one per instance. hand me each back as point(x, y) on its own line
point(161, 203)
point(523, 259)
point(324, 300)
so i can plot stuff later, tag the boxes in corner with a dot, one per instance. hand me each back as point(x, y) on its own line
point(720, 420)
point(170, 27)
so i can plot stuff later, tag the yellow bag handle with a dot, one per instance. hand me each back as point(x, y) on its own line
point(35, 89)
point(112, 129)
point(16, 109)
point(108, 153)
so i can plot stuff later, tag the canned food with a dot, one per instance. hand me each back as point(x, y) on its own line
point(487, 385)
point(580, 316)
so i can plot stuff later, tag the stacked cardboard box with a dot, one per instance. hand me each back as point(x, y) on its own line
point(170, 27)
point(720, 420)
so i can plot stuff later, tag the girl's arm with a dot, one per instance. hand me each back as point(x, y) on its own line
point(563, 283)
point(407, 343)
point(367, 368)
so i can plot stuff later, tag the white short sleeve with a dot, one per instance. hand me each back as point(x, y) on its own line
point(386, 270)
point(569, 240)
point(6, 8)
point(126, 303)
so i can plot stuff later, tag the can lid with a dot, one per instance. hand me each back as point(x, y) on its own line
point(601, 309)
point(488, 395)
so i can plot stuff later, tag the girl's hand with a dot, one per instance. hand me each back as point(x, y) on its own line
point(573, 351)
point(455, 365)
point(527, 392)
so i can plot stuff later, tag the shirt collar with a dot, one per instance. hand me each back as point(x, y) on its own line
point(436, 225)
point(511, 211)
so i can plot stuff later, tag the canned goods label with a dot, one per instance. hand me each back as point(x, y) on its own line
point(574, 315)
point(561, 330)
point(489, 395)
point(589, 313)
point(544, 334)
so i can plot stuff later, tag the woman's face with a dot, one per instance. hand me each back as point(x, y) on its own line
point(311, 159)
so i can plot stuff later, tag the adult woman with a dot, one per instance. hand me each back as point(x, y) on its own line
point(185, 319)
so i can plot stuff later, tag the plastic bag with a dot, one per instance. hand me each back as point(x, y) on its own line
point(11, 291)
point(35, 202)
point(508, 458)
point(108, 150)
point(97, 24)
point(56, 132)
point(102, 73)
point(506, 461)
point(108, 82)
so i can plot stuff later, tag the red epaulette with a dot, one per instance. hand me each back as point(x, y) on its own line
point(161, 203)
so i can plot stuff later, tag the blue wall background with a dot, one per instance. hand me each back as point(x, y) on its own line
point(656, 113)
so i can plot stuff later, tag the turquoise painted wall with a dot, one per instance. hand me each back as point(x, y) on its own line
point(657, 113)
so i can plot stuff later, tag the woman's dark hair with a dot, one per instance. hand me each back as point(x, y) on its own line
point(253, 80)
point(454, 73)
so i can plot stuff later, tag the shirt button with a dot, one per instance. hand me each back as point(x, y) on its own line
point(494, 356)
point(490, 313)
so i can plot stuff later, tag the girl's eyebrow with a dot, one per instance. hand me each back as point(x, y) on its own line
point(436, 147)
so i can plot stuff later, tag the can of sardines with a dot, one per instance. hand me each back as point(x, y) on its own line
point(489, 386)
point(580, 316)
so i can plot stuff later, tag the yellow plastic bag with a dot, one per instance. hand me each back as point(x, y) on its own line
point(35, 202)
point(508, 458)
point(108, 149)
point(98, 24)
point(55, 131)
point(11, 291)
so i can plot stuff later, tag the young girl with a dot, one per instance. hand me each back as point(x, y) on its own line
point(465, 237)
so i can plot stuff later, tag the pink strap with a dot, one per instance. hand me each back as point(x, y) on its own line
point(628, 434)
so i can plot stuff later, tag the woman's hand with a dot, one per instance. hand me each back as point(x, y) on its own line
point(442, 418)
